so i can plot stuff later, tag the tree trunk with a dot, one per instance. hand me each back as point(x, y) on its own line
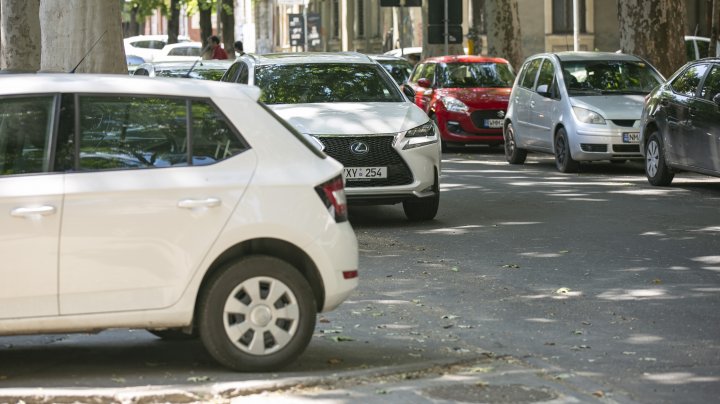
point(430, 50)
point(715, 15)
point(205, 23)
point(227, 17)
point(654, 29)
point(502, 22)
point(20, 35)
point(72, 27)
point(478, 24)
point(174, 21)
point(133, 28)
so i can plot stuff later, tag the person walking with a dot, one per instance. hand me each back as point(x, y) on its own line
point(238, 45)
point(217, 51)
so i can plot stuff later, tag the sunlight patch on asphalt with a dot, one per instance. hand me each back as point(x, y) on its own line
point(638, 339)
point(635, 294)
point(679, 378)
point(710, 259)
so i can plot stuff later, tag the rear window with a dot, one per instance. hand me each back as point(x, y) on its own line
point(325, 82)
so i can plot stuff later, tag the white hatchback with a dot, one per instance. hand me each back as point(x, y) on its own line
point(164, 204)
point(358, 115)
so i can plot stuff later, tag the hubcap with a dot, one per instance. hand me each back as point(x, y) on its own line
point(509, 142)
point(261, 315)
point(652, 159)
point(560, 149)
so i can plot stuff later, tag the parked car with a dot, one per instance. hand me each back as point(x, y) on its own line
point(412, 54)
point(195, 69)
point(466, 96)
point(579, 106)
point(680, 129)
point(148, 46)
point(179, 51)
point(351, 105)
point(398, 67)
point(163, 204)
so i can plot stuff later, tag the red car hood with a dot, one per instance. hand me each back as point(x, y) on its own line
point(478, 97)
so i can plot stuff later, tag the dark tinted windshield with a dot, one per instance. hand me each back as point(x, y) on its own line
point(608, 77)
point(325, 82)
point(399, 69)
point(467, 75)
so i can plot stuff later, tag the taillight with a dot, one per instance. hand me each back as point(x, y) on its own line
point(332, 194)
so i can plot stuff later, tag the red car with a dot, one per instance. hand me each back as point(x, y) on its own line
point(466, 96)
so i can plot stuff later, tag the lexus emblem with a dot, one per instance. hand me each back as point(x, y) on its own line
point(501, 114)
point(359, 148)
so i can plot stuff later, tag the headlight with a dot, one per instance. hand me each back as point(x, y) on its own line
point(454, 105)
point(588, 116)
point(424, 130)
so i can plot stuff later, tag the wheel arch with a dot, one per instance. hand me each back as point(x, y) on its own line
point(555, 131)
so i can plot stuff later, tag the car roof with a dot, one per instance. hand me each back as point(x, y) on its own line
point(311, 57)
point(591, 56)
point(50, 83)
point(153, 37)
point(465, 59)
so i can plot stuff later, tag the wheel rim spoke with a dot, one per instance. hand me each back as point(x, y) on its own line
point(236, 331)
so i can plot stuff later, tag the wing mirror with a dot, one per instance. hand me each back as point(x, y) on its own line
point(716, 99)
point(425, 83)
point(543, 90)
point(408, 91)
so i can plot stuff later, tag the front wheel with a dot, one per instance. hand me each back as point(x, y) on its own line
point(563, 160)
point(256, 314)
point(419, 209)
point(656, 169)
point(513, 154)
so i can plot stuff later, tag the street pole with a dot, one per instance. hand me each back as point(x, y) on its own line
point(402, 27)
point(576, 26)
point(447, 33)
point(305, 7)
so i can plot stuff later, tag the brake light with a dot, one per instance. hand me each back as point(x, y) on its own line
point(332, 193)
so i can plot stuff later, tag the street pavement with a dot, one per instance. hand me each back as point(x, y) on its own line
point(530, 286)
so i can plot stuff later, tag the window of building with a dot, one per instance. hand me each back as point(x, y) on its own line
point(562, 16)
point(335, 13)
point(360, 18)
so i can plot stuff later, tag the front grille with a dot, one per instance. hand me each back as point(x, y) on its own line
point(478, 117)
point(595, 148)
point(626, 148)
point(628, 123)
point(380, 154)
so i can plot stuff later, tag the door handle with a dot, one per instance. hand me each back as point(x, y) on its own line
point(532, 104)
point(44, 210)
point(199, 203)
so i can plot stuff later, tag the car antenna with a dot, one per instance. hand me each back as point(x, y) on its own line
point(187, 75)
point(88, 52)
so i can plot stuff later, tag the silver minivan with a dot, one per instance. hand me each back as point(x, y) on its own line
point(579, 106)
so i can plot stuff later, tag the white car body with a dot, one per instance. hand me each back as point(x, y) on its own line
point(181, 51)
point(148, 46)
point(87, 250)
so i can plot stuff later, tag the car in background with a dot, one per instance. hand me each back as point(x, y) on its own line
point(698, 47)
point(412, 54)
point(163, 204)
point(357, 114)
point(466, 96)
point(148, 46)
point(179, 51)
point(579, 106)
point(680, 125)
point(398, 67)
point(196, 69)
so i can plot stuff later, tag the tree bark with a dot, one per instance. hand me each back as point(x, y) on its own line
point(205, 21)
point(20, 35)
point(654, 29)
point(72, 27)
point(227, 17)
point(174, 21)
point(715, 16)
point(502, 22)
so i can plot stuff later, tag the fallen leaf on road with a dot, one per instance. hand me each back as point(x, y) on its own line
point(480, 369)
point(578, 332)
point(381, 392)
point(598, 393)
point(628, 353)
point(118, 380)
point(334, 361)
point(323, 320)
point(514, 266)
point(657, 281)
point(198, 379)
point(341, 338)
point(449, 317)
point(562, 291)
point(454, 269)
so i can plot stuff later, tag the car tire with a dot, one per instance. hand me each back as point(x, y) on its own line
point(420, 209)
point(656, 169)
point(256, 314)
point(173, 334)
point(513, 154)
point(563, 159)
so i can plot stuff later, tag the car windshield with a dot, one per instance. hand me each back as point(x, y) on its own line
point(600, 77)
point(399, 69)
point(325, 82)
point(201, 74)
point(469, 75)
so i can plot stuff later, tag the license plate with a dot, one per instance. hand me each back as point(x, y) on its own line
point(493, 123)
point(365, 173)
point(631, 137)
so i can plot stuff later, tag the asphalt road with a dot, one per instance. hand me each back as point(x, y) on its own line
point(591, 286)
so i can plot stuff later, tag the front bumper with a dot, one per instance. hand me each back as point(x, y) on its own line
point(606, 144)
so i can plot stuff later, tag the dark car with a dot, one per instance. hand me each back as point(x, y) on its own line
point(680, 127)
point(466, 96)
point(398, 67)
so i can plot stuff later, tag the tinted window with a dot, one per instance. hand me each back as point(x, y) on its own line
point(690, 50)
point(530, 69)
point(417, 73)
point(398, 69)
point(712, 84)
point(547, 74)
point(600, 77)
point(149, 44)
point(212, 137)
point(703, 49)
point(325, 82)
point(243, 77)
point(468, 75)
point(429, 73)
point(25, 132)
point(687, 83)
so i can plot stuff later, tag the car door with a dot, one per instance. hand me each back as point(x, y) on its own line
point(30, 208)
point(677, 109)
point(704, 148)
point(140, 210)
point(522, 106)
point(543, 105)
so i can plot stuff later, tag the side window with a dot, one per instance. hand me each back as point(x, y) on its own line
point(26, 126)
point(687, 83)
point(546, 76)
point(417, 73)
point(712, 84)
point(243, 77)
point(429, 72)
point(703, 49)
point(127, 132)
point(231, 73)
point(531, 70)
point(213, 139)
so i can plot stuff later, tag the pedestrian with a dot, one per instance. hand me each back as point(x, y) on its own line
point(239, 48)
point(217, 51)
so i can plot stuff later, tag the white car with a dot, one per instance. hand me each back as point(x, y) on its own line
point(359, 116)
point(148, 46)
point(164, 204)
point(181, 51)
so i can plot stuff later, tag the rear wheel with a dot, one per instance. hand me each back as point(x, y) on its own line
point(256, 314)
point(563, 160)
point(513, 154)
point(656, 169)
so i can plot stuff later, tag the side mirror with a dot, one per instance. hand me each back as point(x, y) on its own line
point(408, 91)
point(716, 99)
point(543, 90)
point(425, 83)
